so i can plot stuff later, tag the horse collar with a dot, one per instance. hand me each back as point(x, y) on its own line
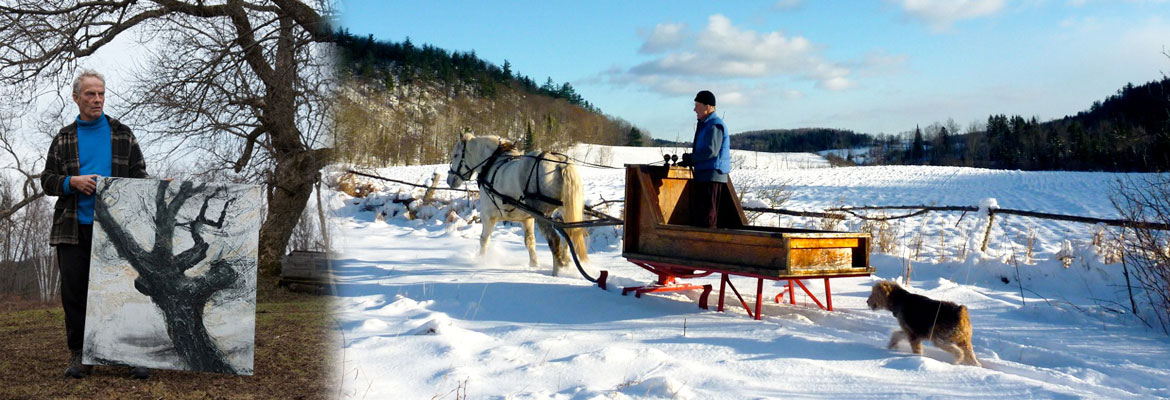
point(491, 161)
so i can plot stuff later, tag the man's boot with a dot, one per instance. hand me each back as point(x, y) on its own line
point(139, 372)
point(76, 368)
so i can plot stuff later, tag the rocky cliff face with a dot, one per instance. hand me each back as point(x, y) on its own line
point(418, 121)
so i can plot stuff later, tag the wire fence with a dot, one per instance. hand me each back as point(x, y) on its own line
point(856, 212)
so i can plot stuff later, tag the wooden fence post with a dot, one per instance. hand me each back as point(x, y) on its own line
point(430, 193)
point(987, 235)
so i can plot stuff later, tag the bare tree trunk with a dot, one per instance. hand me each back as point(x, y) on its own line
point(48, 277)
point(294, 180)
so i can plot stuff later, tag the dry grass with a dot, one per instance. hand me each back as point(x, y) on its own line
point(1109, 244)
point(831, 223)
point(883, 233)
point(942, 244)
point(294, 359)
point(919, 239)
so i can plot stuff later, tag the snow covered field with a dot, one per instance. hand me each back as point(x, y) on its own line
point(423, 316)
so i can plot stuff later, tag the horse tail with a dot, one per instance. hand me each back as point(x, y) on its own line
point(573, 197)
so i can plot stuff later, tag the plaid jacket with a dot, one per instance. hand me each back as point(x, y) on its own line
point(63, 161)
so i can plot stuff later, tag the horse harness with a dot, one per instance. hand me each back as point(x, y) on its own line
point(499, 157)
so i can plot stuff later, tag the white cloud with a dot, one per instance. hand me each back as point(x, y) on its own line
point(835, 84)
point(662, 84)
point(880, 63)
point(941, 14)
point(1081, 3)
point(732, 99)
point(784, 5)
point(663, 38)
point(722, 50)
point(1083, 24)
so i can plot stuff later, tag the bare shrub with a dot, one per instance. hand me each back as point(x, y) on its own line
point(919, 239)
point(605, 155)
point(738, 161)
point(884, 235)
point(1109, 245)
point(1146, 251)
point(942, 245)
point(838, 161)
point(775, 193)
point(831, 222)
point(26, 260)
point(1028, 242)
point(306, 235)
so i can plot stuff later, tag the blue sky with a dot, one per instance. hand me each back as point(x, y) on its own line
point(874, 66)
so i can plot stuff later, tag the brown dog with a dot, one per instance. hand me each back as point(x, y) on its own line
point(942, 322)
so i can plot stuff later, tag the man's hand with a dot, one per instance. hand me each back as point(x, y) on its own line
point(83, 183)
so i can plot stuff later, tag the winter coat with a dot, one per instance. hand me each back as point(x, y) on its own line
point(63, 161)
point(711, 153)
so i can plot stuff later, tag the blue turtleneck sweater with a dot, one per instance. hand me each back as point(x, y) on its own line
point(94, 152)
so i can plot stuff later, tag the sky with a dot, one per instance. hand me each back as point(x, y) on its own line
point(869, 66)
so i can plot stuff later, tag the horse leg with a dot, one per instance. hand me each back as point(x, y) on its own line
point(555, 245)
point(489, 224)
point(530, 242)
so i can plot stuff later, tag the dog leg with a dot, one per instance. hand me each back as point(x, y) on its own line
point(951, 348)
point(898, 336)
point(916, 345)
point(969, 355)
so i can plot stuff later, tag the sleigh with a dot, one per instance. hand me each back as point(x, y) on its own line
point(659, 237)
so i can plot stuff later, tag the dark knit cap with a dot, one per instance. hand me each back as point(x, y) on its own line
point(706, 97)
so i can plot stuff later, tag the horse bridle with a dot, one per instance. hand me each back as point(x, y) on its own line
point(463, 159)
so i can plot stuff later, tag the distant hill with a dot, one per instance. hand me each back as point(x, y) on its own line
point(799, 140)
point(1128, 131)
point(669, 143)
point(402, 104)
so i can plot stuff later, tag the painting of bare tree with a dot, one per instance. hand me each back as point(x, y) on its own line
point(173, 275)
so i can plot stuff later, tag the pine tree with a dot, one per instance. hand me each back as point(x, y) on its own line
point(549, 87)
point(944, 146)
point(529, 139)
point(918, 149)
point(634, 138)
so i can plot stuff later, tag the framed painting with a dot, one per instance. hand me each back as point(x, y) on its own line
point(172, 281)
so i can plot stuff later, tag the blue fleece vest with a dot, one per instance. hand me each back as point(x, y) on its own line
point(704, 160)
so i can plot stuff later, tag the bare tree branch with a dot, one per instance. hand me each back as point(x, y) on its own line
point(245, 84)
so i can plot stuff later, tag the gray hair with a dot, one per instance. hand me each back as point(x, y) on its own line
point(87, 73)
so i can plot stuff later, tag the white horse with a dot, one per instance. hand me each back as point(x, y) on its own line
point(538, 180)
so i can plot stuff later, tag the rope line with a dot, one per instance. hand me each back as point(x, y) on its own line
point(382, 178)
